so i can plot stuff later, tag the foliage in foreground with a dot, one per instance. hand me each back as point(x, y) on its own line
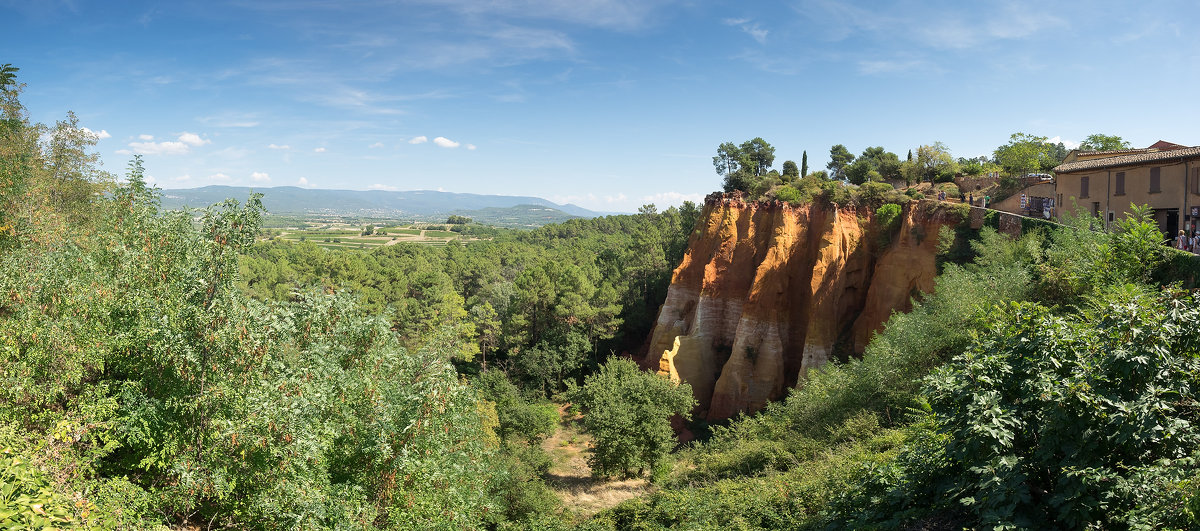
point(1084, 421)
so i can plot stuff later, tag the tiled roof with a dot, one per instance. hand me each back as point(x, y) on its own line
point(1114, 152)
point(1128, 160)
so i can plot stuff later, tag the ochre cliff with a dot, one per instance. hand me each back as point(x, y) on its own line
point(767, 291)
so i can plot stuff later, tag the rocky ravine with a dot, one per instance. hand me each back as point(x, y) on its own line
point(767, 290)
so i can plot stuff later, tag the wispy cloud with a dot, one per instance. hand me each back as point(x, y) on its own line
point(375, 145)
point(277, 146)
point(221, 177)
point(419, 140)
point(386, 187)
point(608, 14)
point(260, 177)
point(319, 150)
point(750, 27)
point(230, 119)
point(302, 182)
point(888, 66)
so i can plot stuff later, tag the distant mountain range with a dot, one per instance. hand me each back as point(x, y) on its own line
point(419, 204)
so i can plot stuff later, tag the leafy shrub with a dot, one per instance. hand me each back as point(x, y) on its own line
point(628, 412)
point(27, 499)
point(789, 194)
point(875, 193)
point(1064, 422)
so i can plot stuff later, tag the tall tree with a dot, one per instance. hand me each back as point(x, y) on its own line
point(804, 164)
point(728, 159)
point(1025, 153)
point(1100, 142)
point(932, 161)
point(790, 171)
point(839, 158)
point(757, 156)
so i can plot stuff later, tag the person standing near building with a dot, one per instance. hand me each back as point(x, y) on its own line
point(1181, 241)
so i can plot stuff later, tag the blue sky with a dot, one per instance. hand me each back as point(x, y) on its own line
point(608, 104)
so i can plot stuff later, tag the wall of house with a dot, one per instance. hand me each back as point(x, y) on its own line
point(1173, 194)
point(1013, 203)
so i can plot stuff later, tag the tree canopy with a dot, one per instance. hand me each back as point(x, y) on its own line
point(628, 411)
point(744, 166)
point(1025, 153)
point(839, 158)
point(1102, 142)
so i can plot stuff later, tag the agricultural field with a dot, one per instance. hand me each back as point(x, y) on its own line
point(356, 234)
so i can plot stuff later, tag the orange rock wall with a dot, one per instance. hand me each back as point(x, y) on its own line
point(766, 291)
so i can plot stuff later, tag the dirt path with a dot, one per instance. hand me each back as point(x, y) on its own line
point(571, 477)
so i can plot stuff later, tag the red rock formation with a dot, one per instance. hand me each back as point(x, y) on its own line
point(767, 291)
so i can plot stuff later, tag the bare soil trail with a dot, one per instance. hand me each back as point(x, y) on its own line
point(571, 477)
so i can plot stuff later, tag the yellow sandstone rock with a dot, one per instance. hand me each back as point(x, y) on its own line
point(767, 291)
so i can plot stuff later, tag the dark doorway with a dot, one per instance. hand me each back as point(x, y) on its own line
point(1168, 221)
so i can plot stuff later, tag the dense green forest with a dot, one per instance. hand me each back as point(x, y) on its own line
point(169, 369)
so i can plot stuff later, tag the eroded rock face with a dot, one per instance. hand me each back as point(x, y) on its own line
point(768, 291)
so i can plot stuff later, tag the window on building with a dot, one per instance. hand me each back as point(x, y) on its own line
point(1120, 185)
point(1110, 216)
point(1096, 209)
point(1196, 181)
point(1155, 182)
point(1083, 186)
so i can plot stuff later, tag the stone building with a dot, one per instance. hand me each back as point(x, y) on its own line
point(1165, 176)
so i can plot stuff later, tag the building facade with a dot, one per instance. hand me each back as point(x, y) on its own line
point(1164, 176)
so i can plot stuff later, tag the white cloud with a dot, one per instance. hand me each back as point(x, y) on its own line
point(220, 177)
point(445, 142)
point(100, 135)
point(277, 146)
point(375, 145)
point(261, 177)
point(470, 147)
point(752, 29)
point(419, 140)
point(157, 148)
point(1069, 144)
point(180, 147)
point(183, 178)
point(302, 182)
point(386, 187)
point(319, 150)
point(668, 199)
point(193, 139)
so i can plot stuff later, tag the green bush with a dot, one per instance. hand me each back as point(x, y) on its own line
point(1079, 422)
point(789, 194)
point(27, 499)
point(628, 412)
